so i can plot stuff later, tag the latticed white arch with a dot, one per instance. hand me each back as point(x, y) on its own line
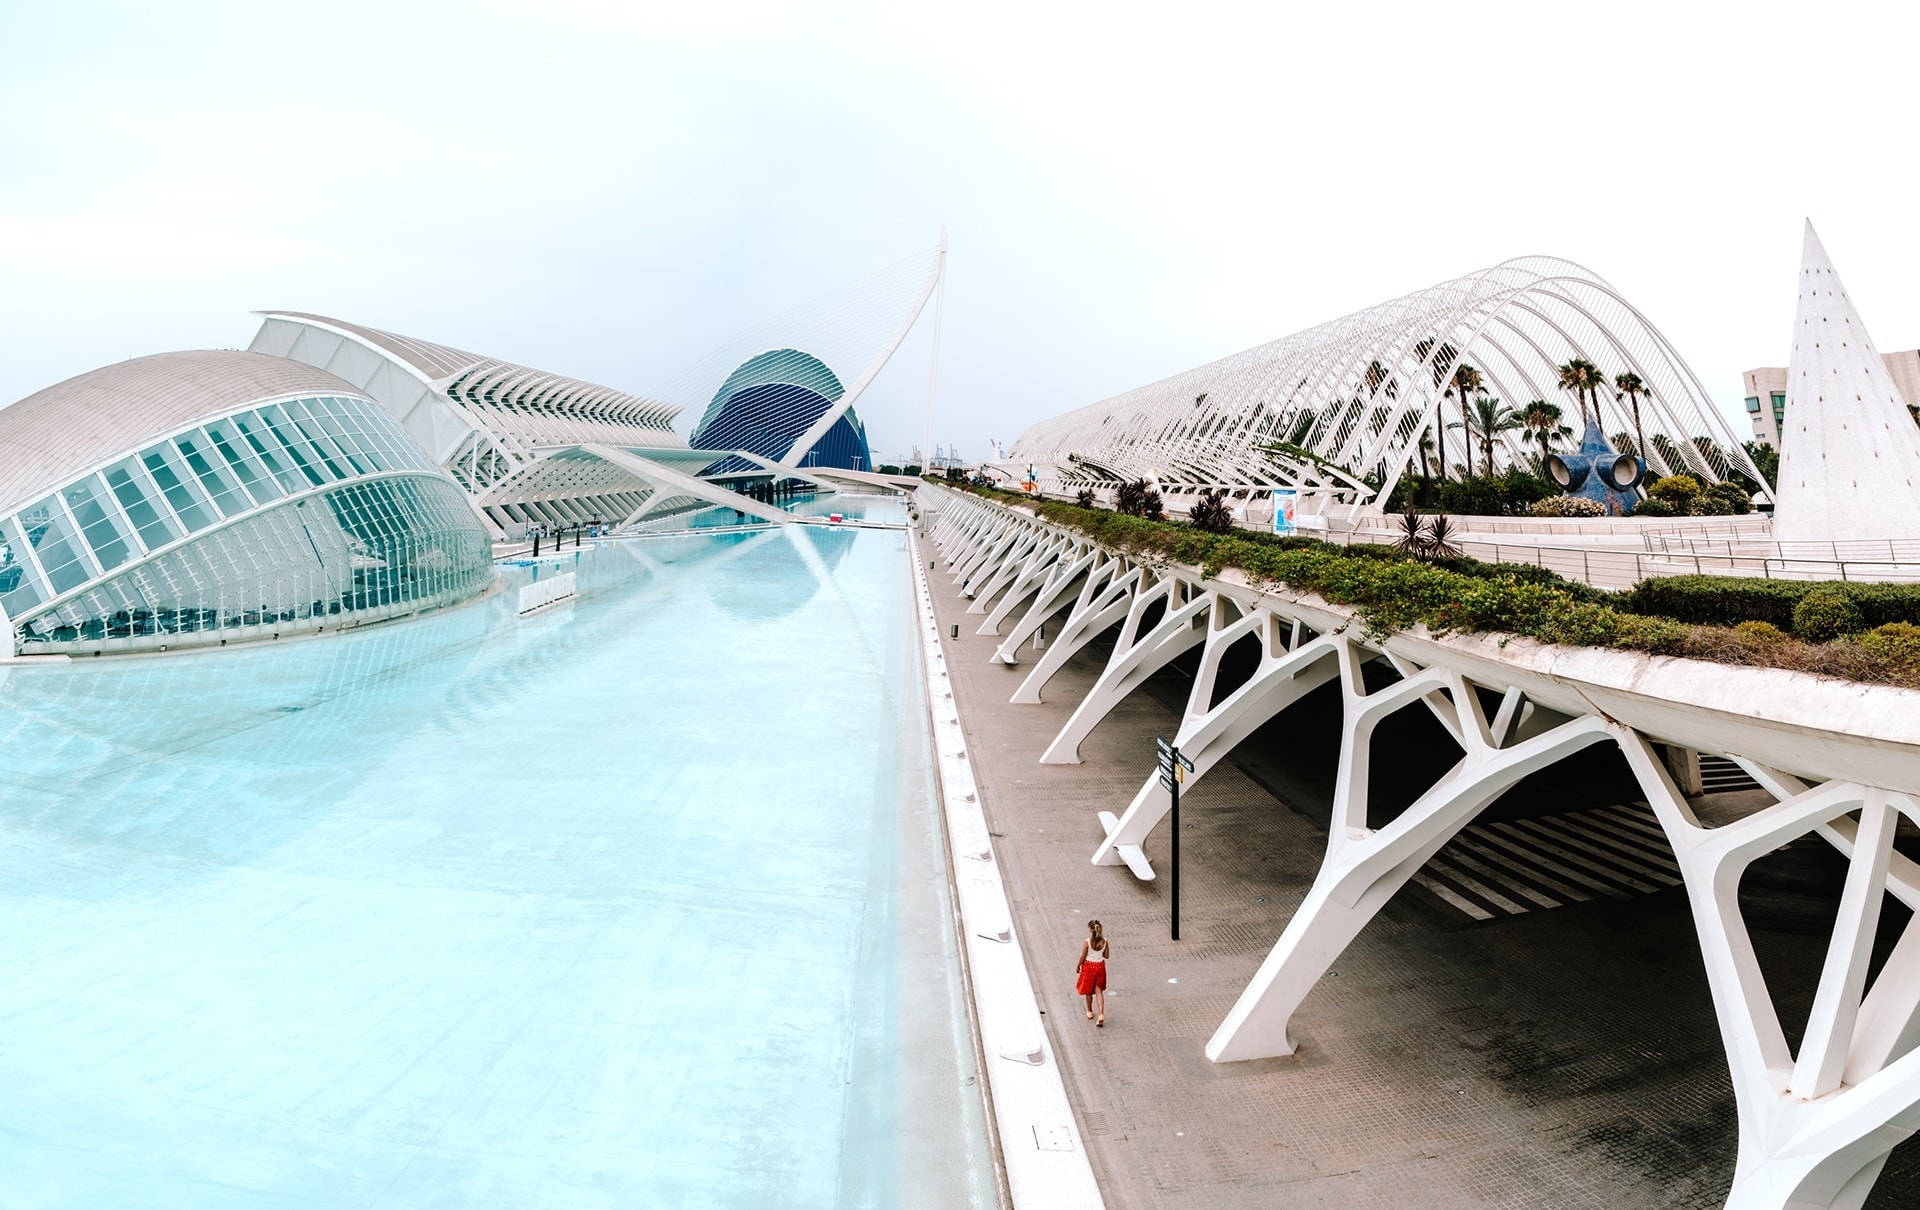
point(1339, 410)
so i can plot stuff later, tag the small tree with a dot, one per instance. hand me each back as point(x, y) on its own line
point(1728, 497)
point(1084, 497)
point(1631, 388)
point(1677, 490)
point(1211, 512)
point(1413, 535)
point(1138, 499)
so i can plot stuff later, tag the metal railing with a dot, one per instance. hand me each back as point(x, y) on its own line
point(1615, 569)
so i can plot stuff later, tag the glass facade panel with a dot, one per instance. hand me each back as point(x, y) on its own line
point(100, 523)
point(345, 438)
point(55, 544)
point(20, 585)
point(243, 462)
point(138, 496)
point(220, 486)
point(309, 417)
point(268, 450)
point(353, 554)
point(304, 456)
point(173, 479)
point(1753, 403)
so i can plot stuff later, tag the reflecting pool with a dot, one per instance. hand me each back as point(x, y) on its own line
point(637, 901)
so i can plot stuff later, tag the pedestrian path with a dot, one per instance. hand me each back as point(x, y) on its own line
point(1523, 865)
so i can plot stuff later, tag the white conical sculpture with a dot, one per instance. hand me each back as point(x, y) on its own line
point(1849, 449)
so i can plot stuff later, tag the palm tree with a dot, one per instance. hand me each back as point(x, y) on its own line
point(1629, 385)
point(1426, 448)
point(1583, 378)
point(1467, 383)
point(1490, 418)
point(1541, 422)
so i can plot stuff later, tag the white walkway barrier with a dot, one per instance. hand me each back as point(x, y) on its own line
point(546, 591)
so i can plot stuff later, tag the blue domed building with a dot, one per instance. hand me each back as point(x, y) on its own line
point(773, 401)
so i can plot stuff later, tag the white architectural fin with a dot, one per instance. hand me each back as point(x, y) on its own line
point(1849, 450)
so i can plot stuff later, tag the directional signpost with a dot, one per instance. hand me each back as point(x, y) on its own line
point(1173, 770)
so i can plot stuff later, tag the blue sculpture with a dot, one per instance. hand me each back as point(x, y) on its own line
point(1599, 473)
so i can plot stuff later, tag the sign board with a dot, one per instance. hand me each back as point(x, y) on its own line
point(1285, 501)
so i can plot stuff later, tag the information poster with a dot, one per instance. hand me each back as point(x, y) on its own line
point(1285, 500)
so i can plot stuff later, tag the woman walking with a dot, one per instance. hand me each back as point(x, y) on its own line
point(1092, 970)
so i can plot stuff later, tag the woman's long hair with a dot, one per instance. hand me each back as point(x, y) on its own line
point(1098, 940)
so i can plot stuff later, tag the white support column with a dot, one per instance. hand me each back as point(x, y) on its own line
point(1028, 578)
point(1364, 867)
point(1206, 735)
point(983, 564)
point(1068, 571)
point(1816, 1127)
point(1008, 568)
point(1180, 629)
point(1087, 623)
point(968, 526)
point(979, 544)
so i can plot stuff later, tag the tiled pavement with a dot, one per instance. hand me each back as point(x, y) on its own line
point(1557, 1058)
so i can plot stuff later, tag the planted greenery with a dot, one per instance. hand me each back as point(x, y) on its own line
point(1824, 614)
point(1730, 600)
point(1690, 616)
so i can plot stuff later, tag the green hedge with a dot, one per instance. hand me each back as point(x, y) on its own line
point(1730, 600)
point(1687, 616)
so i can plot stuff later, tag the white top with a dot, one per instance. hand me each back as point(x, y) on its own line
point(1094, 955)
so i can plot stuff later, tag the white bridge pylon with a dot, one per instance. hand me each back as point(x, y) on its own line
point(1815, 1125)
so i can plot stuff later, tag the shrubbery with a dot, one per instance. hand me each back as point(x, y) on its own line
point(1508, 494)
point(1211, 512)
point(1723, 498)
point(1138, 499)
point(1651, 507)
point(1895, 645)
point(1826, 614)
point(1725, 619)
point(1730, 600)
point(1567, 506)
point(1684, 496)
point(1677, 492)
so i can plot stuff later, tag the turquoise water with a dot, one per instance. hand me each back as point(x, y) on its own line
point(883, 509)
point(637, 901)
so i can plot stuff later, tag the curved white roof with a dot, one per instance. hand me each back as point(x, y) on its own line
point(434, 361)
point(1341, 407)
point(54, 434)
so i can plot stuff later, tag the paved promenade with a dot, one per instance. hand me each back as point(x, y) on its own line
point(1562, 1056)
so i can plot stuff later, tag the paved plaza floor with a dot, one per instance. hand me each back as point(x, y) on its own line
point(1564, 1055)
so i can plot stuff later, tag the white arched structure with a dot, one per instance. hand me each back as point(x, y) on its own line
point(1339, 410)
point(1841, 761)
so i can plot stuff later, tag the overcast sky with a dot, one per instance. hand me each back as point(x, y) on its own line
point(610, 190)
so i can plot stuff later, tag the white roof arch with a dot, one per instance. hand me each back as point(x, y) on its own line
point(1348, 400)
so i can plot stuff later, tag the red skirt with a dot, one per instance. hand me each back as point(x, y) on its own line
point(1093, 977)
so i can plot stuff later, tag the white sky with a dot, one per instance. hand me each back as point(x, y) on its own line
point(609, 190)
